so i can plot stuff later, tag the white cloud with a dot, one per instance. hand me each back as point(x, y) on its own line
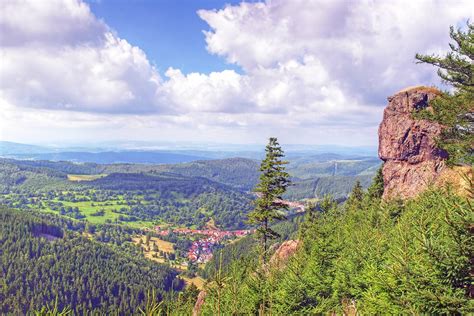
point(217, 92)
point(315, 71)
point(55, 22)
point(57, 55)
point(368, 47)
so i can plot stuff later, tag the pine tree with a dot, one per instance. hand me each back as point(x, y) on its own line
point(455, 110)
point(273, 183)
point(457, 67)
point(327, 204)
point(357, 194)
point(375, 191)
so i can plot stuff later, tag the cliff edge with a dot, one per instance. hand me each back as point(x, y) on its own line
point(407, 146)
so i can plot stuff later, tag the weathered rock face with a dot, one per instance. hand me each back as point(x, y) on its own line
point(281, 256)
point(407, 146)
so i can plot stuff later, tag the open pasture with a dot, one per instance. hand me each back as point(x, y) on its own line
point(85, 177)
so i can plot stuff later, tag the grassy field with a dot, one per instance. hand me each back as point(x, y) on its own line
point(197, 281)
point(85, 177)
point(88, 208)
point(164, 246)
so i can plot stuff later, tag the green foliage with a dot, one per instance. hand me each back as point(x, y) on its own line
point(337, 186)
point(371, 258)
point(125, 197)
point(240, 173)
point(245, 248)
point(152, 306)
point(53, 310)
point(49, 267)
point(455, 110)
point(375, 191)
point(456, 68)
point(273, 183)
point(232, 293)
point(356, 196)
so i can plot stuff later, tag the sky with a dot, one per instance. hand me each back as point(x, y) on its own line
point(307, 72)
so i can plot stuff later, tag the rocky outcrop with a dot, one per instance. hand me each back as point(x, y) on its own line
point(199, 302)
point(408, 146)
point(281, 256)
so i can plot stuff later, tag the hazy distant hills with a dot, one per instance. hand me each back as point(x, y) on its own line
point(314, 173)
point(113, 157)
point(32, 152)
point(312, 177)
point(10, 148)
point(172, 153)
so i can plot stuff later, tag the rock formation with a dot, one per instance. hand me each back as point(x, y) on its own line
point(199, 302)
point(283, 253)
point(408, 146)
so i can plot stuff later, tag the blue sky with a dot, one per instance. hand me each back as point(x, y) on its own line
point(169, 31)
point(305, 71)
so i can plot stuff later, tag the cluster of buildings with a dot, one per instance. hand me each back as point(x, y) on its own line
point(201, 249)
point(206, 232)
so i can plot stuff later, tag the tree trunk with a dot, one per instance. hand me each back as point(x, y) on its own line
point(265, 241)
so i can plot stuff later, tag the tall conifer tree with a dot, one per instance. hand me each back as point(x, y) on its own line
point(457, 67)
point(356, 196)
point(273, 183)
point(455, 110)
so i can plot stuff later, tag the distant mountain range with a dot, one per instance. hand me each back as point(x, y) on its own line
point(112, 157)
point(168, 153)
point(33, 152)
point(10, 148)
point(312, 176)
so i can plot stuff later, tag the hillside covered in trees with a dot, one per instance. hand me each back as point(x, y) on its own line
point(404, 245)
point(125, 239)
point(48, 261)
point(136, 196)
point(367, 257)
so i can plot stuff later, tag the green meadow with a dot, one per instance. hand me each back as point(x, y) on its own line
point(85, 177)
point(88, 208)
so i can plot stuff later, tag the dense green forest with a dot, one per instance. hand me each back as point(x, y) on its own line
point(336, 186)
point(367, 256)
point(129, 197)
point(239, 173)
point(187, 194)
point(46, 260)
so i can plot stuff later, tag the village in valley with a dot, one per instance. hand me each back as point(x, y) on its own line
point(182, 247)
point(202, 248)
point(206, 241)
point(163, 244)
point(189, 249)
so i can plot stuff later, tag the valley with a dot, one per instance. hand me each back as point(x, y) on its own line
point(227, 158)
point(176, 215)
